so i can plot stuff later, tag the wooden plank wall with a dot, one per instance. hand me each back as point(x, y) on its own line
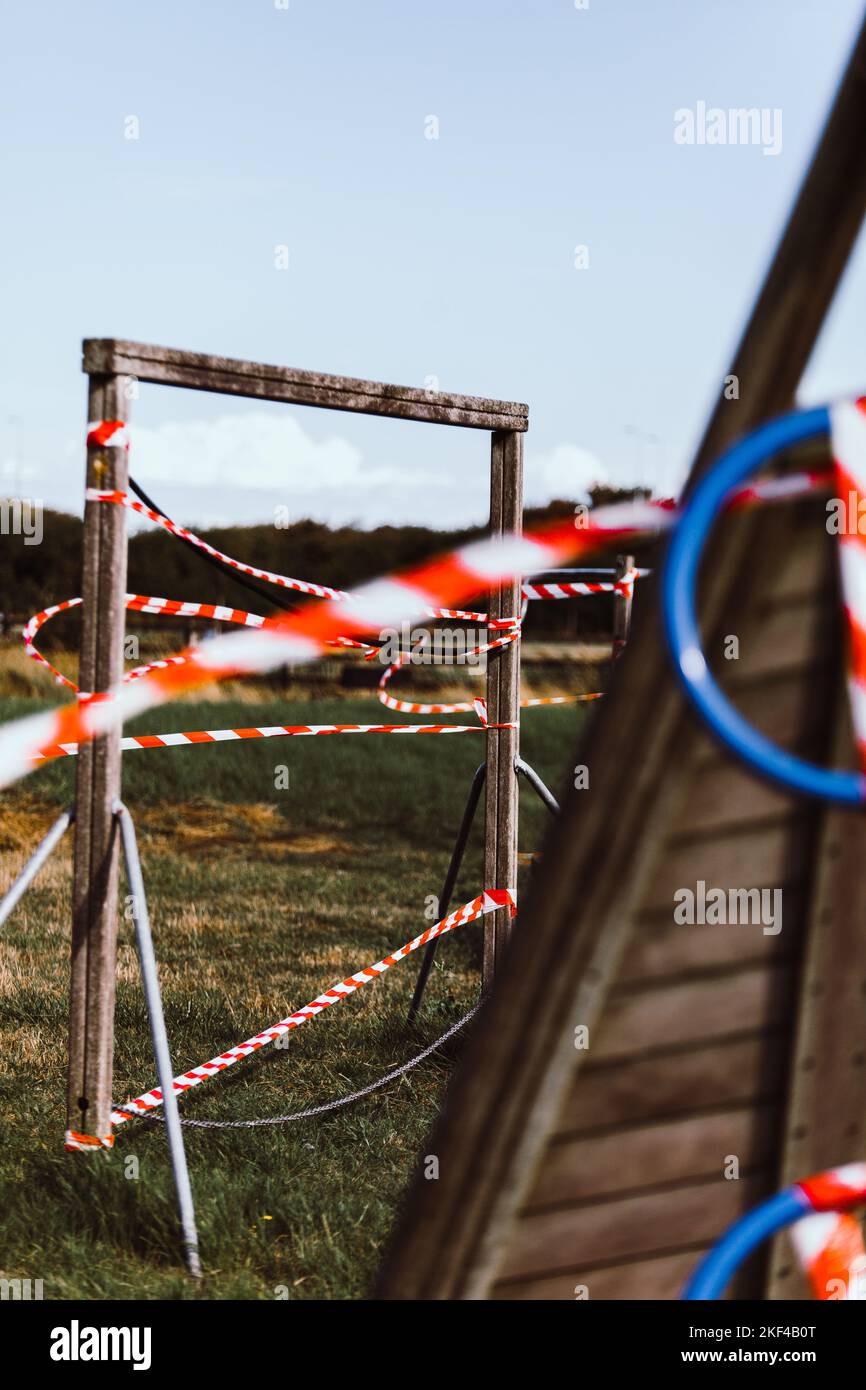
point(692, 1057)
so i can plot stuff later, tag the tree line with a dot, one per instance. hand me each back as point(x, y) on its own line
point(34, 576)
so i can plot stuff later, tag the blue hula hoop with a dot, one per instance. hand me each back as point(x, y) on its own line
point(681, 621)
point(715, 1270)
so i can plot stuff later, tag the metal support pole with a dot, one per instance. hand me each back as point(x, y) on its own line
point(532, 777)
point(16, 892)
point(448, 886)
point(164, 1069)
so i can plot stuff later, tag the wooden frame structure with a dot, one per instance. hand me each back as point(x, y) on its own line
point(486, 1228)
point(111, 364)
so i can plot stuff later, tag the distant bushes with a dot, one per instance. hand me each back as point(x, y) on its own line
point(33, 576)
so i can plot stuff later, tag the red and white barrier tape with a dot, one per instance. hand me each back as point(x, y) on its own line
point(490, 901)
point(829, 1245)
point(107, 434)
point(582, 589)
point(300, 637)
point(283, 581)
point(849, 448)
point(141, 603)
point(138, 603)
point(454, 707)
point(836, 1189)
point(436, 586)
point(130, 742)
point(831, 1253)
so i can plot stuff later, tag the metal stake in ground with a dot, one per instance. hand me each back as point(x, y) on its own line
point(40, 855)
point(549, 800)
point(448, 887)
point(162, 1055)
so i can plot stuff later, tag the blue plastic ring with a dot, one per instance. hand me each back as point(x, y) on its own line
point(681, 621)
point(715, 1270)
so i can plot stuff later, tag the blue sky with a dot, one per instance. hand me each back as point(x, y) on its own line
point(409, 258)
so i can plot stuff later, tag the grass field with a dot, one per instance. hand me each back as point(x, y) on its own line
point(259, 898)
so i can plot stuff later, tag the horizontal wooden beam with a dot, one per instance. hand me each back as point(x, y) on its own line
point(199, 371)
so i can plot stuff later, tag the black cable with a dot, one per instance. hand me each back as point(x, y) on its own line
point(270, 593)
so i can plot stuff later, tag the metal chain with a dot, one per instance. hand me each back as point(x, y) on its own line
point(329, 1105)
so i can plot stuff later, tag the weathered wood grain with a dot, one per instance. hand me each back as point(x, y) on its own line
point(653, 1278)
point(503, 705)
point(94, 914)
point(749, 1068)
point(645, 1224)
point(679, 1150)
point(203, 372)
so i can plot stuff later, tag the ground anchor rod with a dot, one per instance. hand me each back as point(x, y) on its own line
point(448, 886)
point(550, 801)
point(532, 777)
point(162, 1056)
point(39, 856)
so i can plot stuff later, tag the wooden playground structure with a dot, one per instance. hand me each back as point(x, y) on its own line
point(600, 1172)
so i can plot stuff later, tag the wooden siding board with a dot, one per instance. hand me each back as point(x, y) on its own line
point(683, 1150)
point(654, 1278)
point(699, 1010)
point(661, 949)
point(748, 1069)
point(766, 857)
point(625, 1228)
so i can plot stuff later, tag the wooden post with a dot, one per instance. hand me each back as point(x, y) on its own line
point(94, 905)
point(622, 605)
point(503, 703)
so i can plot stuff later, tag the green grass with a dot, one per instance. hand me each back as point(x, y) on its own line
point(259, 898)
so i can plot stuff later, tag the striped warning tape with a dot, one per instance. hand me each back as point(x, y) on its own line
point(435, 585)
point(305, 586)
point(137, 603)
point(74, 1142)
point(141, 603)
point(399, 706)
point(130, 742)
point(581, 589)
point(392, 702)
point(849, 449)
point(150, 604)
point(490, 901)
point(107, 434)
point(31, 629)
point(829, 1244)
point(829, 1247)
point(530, 590)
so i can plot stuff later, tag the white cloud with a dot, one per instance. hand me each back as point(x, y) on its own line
point(565, 471)
point(263, 452)
point(238, 468)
